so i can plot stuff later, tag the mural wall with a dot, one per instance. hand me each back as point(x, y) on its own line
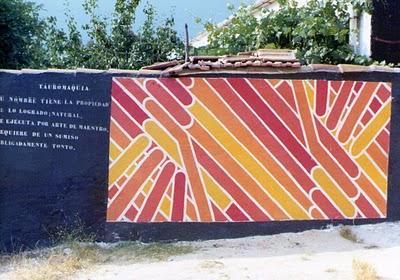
point(238, 150)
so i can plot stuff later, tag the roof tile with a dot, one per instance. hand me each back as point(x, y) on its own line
point(260, 58)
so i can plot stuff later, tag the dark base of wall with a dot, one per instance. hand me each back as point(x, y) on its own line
point(167, 232)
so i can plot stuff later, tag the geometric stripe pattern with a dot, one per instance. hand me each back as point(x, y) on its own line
point(243, 150)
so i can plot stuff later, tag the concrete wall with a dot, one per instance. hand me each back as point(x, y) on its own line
point(212, 155)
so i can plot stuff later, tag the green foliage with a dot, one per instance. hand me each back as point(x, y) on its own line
point(239, 35)
point(322, 35)
point(21, 31)
point(111, 42)
point(319, 31)
point(159, 43)
point(62, 49)
point(364, 5)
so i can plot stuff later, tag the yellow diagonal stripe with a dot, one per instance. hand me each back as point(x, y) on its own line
point(130, 154)
point(147, 186)
point(166, 207)
point(164, 140)
point(373, 172)
point(310, 95)
point(372, 130)
point(215, 192)
point(333, 192)
point(248, 162)
point(131, 169)
point(114, 151)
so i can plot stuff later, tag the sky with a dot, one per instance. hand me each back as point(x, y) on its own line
point(184, 11)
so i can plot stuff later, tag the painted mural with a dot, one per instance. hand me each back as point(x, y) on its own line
point(247, 150)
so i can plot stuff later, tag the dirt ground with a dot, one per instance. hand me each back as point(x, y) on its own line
point(326, 254)
point(367, 252)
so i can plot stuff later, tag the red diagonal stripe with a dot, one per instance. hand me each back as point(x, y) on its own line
point(287, 93)
point(157, 193)
point(229, 185)
point(133, 185)
point(236, 214)
point(124, 121)
point(267, 139)
point(179, 92)
point(169, 103)
point(339, 105)
point(178, 205)
point(322, 97)
point(278, 106)
point(326, 206)
point(333, 147)
point(133, 88)
point(128, 104)
point(270, 119)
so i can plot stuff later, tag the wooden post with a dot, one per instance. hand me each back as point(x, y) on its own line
point(186, 43)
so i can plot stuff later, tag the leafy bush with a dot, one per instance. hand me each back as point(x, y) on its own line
point(28, 41)
point(319, 31)
point(112, 42)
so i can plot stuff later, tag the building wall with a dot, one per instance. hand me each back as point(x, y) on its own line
point(364, 43)
point(218, 155)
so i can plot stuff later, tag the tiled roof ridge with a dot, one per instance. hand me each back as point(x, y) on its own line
point(278, 58)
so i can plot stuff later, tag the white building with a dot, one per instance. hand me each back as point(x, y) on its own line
point(360, 27)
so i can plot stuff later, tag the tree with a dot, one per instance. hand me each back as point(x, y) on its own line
point(28, 41)
point(319, 31)
point(155, 44)
point(21, 32)
point(112, 43)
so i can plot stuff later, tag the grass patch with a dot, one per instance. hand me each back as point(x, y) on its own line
point(75, 250)
point(348, 234)
point(364, 271)
point(71, 234)
point(64, 260)
point(50, 265)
